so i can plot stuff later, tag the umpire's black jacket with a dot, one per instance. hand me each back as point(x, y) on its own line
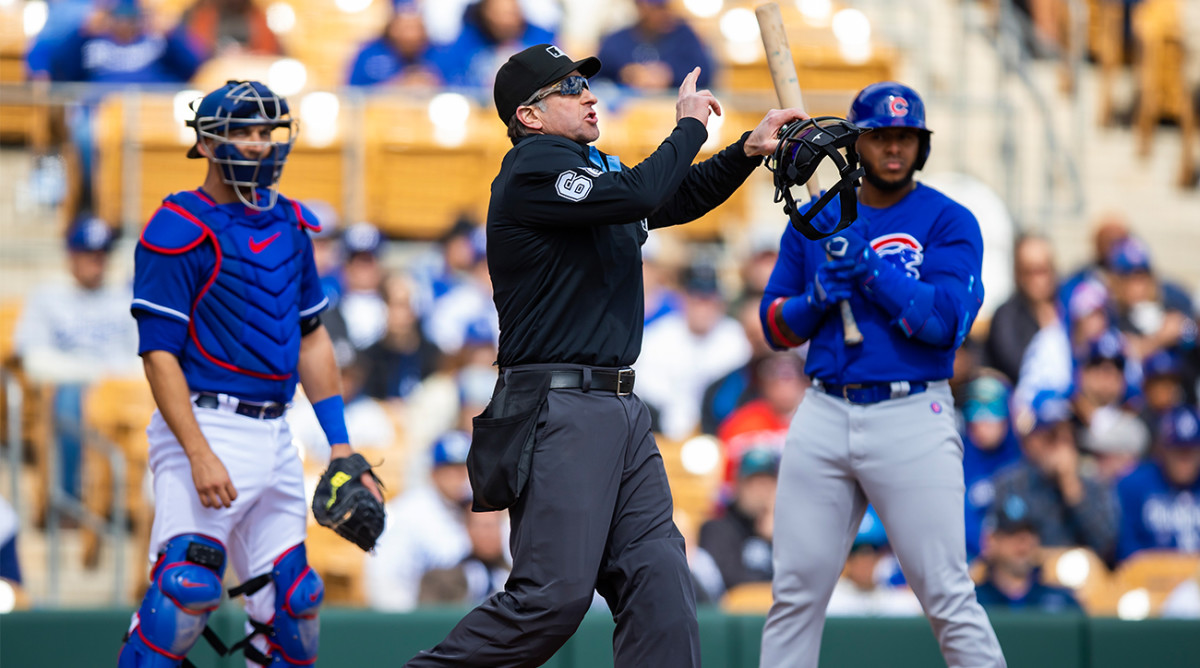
point(565, 227)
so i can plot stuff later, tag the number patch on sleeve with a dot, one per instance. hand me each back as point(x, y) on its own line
point(572, 186)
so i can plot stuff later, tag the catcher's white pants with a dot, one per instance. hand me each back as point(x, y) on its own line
point(271, 509)
point(904, 456)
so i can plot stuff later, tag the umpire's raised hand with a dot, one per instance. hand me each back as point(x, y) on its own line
point(692, 103)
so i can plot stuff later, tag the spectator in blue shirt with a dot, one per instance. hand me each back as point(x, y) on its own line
point(492, 31)
point(1067, 507)
point(1011, 549)
point(402, 55)
point(1160, 500)
point(63, 19)
point(989, 444)
point(655, 53)
point(115, 45)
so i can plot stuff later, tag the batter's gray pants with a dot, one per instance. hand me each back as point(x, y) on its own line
point(903, 456)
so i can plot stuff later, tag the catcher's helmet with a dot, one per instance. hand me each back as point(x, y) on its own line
point(802, 146)
point(244, 104)
point(889, 104)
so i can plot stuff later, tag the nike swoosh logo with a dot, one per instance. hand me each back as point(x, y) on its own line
point(258, 246)
point(191, 585)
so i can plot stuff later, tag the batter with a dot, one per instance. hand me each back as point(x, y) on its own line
point(878, 424)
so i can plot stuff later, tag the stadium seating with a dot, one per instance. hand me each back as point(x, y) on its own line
point(340, 564)
point(1084, 573)
point(141, 145)
point(118, 410)
point(420, 176)
point(694, 494)
point(35, 407)
point(1158, 572)
point(1163, 83)
point(16, 119)
point(751, 598)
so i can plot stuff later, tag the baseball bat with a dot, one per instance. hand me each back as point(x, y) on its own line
point(787, 89)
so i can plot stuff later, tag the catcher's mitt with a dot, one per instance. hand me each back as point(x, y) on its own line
point(342, 503)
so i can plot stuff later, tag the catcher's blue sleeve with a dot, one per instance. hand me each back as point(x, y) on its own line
point(170, 262)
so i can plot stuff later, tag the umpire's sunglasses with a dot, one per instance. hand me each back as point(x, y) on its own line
point(572, 85)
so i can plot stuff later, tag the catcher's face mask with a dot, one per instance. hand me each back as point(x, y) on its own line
point(802, 146)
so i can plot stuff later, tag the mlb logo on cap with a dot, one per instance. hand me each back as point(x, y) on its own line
point(89, 234)
point(451, 448)
point(1180, 427)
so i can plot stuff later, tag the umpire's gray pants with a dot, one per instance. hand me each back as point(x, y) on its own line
point(903, 456)
point(595, 516)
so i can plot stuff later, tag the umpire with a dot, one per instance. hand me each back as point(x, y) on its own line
point(565, 443)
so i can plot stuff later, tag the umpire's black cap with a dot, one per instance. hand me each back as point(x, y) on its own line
point(530, 70)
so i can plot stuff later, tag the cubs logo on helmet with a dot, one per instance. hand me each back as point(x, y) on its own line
point(898, 106)
point(902, 250)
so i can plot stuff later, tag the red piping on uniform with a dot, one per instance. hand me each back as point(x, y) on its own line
point(287, 601)
point(300, 217)
point(174, 251)
point(200, 193)
point(203, 291)
point(275, 646)
point(156, 648)
point(179, 605)
point(286, 553)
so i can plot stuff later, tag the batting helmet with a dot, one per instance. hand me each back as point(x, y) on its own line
point(802, 146)
point(889, 104)
point(245, 104)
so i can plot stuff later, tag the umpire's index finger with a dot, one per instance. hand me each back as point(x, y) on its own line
point(689, 82)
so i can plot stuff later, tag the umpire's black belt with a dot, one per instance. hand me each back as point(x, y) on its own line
point(619, 381)
point(589, 379)
point(872, 393)
point(267, 411)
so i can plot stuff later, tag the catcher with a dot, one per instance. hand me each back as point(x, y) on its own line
point(226, 297)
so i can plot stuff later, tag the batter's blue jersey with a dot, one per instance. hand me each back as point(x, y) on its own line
point(1156, 514)
point(928, 236)
point(224, 288)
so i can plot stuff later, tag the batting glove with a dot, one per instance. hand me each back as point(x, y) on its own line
point(834, 282)
point(850, 245)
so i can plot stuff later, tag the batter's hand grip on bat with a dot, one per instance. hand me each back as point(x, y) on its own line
point(787, 89)
point(851, 334)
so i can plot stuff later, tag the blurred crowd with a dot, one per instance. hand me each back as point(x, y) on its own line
point(1077, 398)
point(422, 46)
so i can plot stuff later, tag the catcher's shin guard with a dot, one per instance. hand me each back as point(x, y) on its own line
point(294, 632)
point(185, 588)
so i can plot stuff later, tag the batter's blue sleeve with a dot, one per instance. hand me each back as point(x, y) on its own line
point(788, 317)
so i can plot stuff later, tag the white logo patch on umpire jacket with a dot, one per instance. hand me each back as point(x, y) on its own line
point(572, 186)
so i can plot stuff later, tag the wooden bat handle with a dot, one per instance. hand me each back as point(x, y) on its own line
point(787, 89)
point(782, 67)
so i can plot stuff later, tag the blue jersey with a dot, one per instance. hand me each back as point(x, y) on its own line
point(928, 236)
point(1156, 514)
point(680, 49)
point(224, 288)
point(379, 63)
point(103, 59)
